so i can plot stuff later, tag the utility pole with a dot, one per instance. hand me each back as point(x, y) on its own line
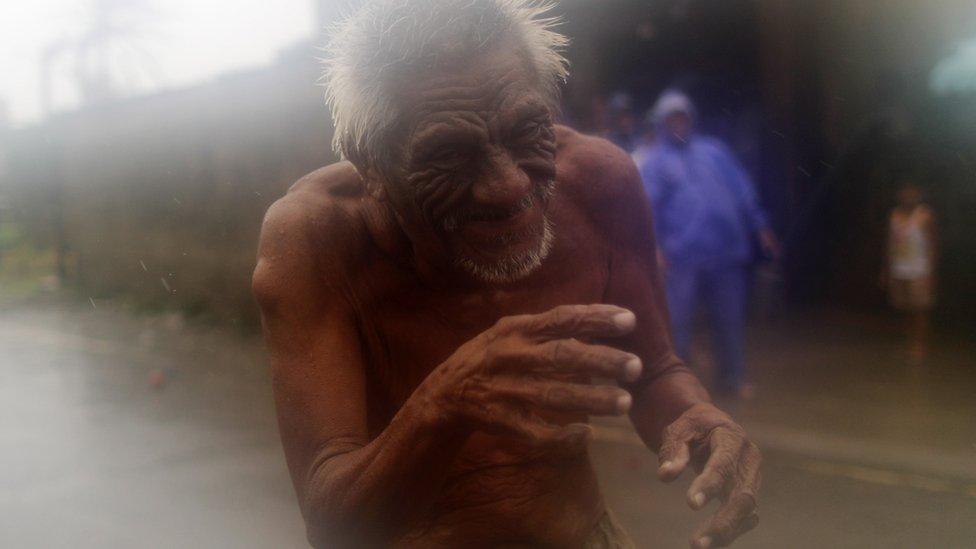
point(94, 56)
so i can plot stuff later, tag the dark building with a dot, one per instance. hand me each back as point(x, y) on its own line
point(160, 198)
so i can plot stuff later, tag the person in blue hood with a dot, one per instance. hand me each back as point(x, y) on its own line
point(706, 217)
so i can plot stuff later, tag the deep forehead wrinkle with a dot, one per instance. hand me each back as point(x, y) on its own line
point(480, 103)
point(481, 93)
point(440, 126)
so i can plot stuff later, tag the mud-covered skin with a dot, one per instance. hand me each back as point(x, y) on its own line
point(420, 407)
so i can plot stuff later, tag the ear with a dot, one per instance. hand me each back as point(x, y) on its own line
point(374, 183)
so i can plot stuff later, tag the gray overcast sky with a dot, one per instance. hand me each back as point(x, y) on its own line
point(173, 43)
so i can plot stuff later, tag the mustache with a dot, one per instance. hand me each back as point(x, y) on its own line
point(458, 218)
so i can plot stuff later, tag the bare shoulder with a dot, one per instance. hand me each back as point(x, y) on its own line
point(594, 168)
point(600, 178)
point(311, 235)
point(321, 207)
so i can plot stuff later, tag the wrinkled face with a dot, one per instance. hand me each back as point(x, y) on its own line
point(478, 166)
point(679, 126)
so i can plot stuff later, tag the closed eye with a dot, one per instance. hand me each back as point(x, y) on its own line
point(530, 129)
point(527, 129)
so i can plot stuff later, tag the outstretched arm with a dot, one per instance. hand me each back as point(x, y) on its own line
point(672, 412)
point(667, 387)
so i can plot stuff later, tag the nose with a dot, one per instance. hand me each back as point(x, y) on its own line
point(502, 183)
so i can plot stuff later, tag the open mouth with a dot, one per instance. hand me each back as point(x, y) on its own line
point(490, 233)
point(507, 256)
point(490, 241)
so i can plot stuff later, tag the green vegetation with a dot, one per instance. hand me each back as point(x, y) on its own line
point(25, 270)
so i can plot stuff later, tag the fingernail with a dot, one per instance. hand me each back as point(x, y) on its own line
point(698, 499)
point(704, 542)
point(624, 320)
point(623, 402)
point(632, 369)
point(577, 433)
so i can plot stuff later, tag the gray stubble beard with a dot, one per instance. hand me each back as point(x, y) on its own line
point(514, 267)
point(517, 266)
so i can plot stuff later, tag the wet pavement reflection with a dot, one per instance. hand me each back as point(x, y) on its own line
point(126, 430)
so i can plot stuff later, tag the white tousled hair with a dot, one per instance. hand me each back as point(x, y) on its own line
point(385, 39)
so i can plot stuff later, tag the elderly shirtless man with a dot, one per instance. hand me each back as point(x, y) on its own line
point(437, 305)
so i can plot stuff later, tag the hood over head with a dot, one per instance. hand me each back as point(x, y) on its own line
point(670, 102)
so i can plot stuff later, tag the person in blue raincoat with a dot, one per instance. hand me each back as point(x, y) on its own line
point(707, 217)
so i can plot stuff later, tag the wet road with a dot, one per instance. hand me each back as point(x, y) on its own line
point(135, 431)
point(95, 456)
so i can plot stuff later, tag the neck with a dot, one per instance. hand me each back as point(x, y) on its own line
point(383, 227)
point(414, 252)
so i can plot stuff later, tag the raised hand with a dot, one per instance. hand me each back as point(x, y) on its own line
point(501, 379)
point(728, 466)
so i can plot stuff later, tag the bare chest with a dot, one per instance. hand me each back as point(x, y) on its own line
point(415, 329)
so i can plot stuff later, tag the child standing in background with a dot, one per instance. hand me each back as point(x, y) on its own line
point(910, 270)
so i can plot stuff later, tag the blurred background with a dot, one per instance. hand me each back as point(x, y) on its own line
point(141, 142)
